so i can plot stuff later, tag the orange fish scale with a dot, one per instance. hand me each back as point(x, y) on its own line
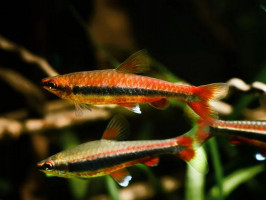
point(113, 78)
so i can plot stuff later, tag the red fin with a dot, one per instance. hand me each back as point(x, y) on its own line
point(202, 133)
point(207, 93)
point(188, 152)
point(191, 153)
point(237, 140)
point(132, 107)
point(122, 177)
point(137, 63)
point(154, 161)
point(160, 104)
point(117, 129)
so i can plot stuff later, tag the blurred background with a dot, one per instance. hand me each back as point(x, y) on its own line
point(198, 42)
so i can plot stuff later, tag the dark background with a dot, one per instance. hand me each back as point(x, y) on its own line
point(201, 42)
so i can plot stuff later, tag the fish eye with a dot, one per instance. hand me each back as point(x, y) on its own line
point(48, 166)
point(50, 85)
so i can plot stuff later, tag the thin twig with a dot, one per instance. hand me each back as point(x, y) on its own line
point(59, 114)
point(33, 95)
point(27, 56)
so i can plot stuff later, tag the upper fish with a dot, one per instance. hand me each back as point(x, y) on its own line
point(122, 86)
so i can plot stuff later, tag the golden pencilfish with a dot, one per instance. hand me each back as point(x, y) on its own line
point(122, 86)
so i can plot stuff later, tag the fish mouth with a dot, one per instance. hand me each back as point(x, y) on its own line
point(40, 166)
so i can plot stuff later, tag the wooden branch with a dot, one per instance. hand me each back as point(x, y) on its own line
point(59, 114)
point(27, 56)
point(33, 95)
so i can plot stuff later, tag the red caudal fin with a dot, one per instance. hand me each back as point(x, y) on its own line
point(206, 93)
point(190, 151)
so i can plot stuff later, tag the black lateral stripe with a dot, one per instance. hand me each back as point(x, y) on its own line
point(232, 132)
point(93, 90)
point(109, 161)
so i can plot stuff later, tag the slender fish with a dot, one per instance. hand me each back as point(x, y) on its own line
point(121, 86)
point(249, 129)
point(241, 132)
point(111, 157)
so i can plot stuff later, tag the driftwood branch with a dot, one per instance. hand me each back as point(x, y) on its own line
point(32, 94)
point(59, 114)
point(27, 56)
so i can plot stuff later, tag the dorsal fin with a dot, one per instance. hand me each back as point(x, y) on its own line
point(138, 62)
point(117, 129)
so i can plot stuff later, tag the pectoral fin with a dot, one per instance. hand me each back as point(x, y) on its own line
point(78, 110)
point(122, 177)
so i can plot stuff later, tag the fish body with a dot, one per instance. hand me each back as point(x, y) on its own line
point(240, 132)
point(122, 86)
point(110, 157)
point(249, 129)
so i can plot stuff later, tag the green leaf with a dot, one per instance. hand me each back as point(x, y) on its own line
point(113, 188)
point(215, 156)
point(195, 181)
point(232, 181)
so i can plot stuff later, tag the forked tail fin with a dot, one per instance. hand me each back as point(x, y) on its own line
point(190, 146)
point(206, 93)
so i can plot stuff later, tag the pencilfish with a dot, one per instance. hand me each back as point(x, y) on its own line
point(109, 156)
point(122, 86)
point(240, 132)
point(249, 129)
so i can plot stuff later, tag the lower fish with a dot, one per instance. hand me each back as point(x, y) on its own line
point(109, 156)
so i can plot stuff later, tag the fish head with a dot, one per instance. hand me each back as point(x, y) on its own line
point(52, 168)
point(57, 86)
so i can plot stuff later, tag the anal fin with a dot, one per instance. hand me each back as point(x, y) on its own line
point(122, 177)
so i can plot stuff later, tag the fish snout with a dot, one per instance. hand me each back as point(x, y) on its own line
point(45, 166)
point(49, 84)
